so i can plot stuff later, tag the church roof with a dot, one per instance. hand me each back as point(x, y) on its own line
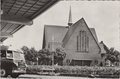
point(54, 33)
point(94, 33)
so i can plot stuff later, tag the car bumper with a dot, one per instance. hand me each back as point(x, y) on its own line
point(19, 71)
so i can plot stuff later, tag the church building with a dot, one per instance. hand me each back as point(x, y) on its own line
point(79, 41)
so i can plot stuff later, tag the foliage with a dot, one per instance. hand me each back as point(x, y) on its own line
point(30, 54)
point(113, 55)
point(77, 70)
point(38, 68)
point(44, 56)
point(84, 70)
point(59, 56)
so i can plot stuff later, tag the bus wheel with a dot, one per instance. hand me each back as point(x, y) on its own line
point(14, 75)
point(3, 73)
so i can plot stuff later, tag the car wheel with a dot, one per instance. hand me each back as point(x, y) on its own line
point(3, 73)
point(14, 75)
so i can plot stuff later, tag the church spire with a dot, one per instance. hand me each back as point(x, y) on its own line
point(70, 18)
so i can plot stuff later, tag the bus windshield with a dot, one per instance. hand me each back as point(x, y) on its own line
point(3, 53)
point(9, 54)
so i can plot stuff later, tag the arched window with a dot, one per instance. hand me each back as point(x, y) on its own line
point(82, 42)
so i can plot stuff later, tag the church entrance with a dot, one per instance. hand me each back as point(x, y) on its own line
point(80, 62)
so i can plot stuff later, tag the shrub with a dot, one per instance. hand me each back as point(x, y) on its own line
point(76, 70)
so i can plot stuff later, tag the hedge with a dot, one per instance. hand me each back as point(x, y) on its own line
point(33, 69)
point(76, 70)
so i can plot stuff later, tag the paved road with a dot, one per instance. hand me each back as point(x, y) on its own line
point(50, 77)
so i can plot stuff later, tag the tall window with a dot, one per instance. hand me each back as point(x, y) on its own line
point(82, 42)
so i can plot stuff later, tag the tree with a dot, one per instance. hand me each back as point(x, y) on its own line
point(113, 55)
point(44, 56)
point(117, 55)
point(34, 54)
point(59, 56)
point(30, 54)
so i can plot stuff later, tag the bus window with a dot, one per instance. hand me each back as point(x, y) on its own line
point(9, 54)
point(3, 53)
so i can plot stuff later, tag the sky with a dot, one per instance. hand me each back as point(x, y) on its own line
point(104, 16)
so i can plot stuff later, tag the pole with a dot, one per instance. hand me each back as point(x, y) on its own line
point(37, 60)
point(118, 43)
point(53, 58)
point(53, 50)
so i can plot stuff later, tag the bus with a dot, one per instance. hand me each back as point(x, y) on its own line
point(12, 63)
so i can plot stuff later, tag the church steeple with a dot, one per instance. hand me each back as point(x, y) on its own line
point(70, 18)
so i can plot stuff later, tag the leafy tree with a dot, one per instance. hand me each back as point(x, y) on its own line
point(30, 54)
point(34, 54)
point(113, 55)
point(59, 56)
point(44, 56)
